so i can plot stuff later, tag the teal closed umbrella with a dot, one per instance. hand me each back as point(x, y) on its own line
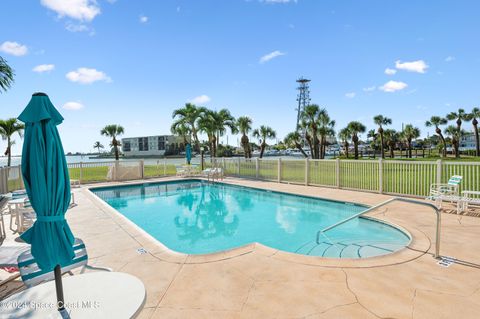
point(45, 174)
point(188, 153)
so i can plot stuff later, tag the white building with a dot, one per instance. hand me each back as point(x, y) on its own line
point(467, 142)
point(152, 145)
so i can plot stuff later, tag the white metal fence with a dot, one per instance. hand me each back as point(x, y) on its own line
point(412, 178)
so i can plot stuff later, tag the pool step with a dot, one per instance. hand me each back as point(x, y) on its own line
point(346, 249)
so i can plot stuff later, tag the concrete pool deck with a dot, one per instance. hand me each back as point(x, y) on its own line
point(260, 282)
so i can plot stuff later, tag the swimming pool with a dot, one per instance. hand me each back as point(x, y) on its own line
point(197, 217)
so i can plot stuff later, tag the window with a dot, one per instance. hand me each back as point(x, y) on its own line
point(161, 144)
point(126, 147)
point(143, 144)
point(161, 138)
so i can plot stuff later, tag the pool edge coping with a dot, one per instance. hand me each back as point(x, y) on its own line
point(418, 245)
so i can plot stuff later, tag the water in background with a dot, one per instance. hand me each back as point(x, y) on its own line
point(176, 161)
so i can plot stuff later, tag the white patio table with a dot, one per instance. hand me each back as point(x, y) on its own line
point(92, 295)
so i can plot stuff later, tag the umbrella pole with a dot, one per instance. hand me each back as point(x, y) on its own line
point(59, 288)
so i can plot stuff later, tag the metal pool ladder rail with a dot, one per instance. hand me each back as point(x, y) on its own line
point(407, 200)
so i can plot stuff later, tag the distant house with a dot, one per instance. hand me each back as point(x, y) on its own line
point(467, 142)
point(152, 145)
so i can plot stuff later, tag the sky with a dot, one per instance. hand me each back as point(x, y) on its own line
point(133, 62)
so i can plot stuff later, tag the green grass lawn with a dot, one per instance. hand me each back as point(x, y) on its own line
point(409, 177)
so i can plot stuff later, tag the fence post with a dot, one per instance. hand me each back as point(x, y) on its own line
point(165, 166)
point(142, 168)
point(279, 170)
point(439, 171)
point(380, 175)
point(223, 165)
point(4, 178)
point(81, 172)
point(337, 172)
point(256, 167)
point(238, 167)
point(307, 171)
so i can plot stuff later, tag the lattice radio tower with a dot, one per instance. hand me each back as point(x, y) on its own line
point(303, 98)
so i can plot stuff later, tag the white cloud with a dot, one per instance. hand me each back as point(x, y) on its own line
point(74, 27)
point(73, 106)
point(449, 58)
point(270, 56)
point(389, 71)
point(418, 66)
point(83, 10)
point(43, 68)
point(369, 89)
point(13, 48)
point(350, 95)
point(393, 86)
point(201, 99)
point(143, 19)
point(87, 76)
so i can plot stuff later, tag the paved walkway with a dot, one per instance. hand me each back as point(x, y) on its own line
point(260, 282)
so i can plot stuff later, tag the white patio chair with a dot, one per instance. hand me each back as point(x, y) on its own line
point(445, 191)
point(449, 188)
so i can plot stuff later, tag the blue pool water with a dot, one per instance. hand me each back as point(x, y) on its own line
point(196, 217)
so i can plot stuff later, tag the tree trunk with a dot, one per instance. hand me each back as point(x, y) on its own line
point(195, 137)
point(355, 146)
point(456, 147)
point(9, 150)
point(409, 149)
point(299, 146)
point(262, 149)
point(115, 147)
point(444, 151)
point(245, 145)
point(346, 149)
point(392, 152)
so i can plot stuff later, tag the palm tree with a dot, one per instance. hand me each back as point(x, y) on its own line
point(459, 117)
point(345, 135)
point(6, 75)
point(294, 139)
point(244, 124)
point(310, 120)
point(303, 126)
point(381, 121)
point(372, 134)
point(391, 139)
point(325, 129)
point(98, 146)
point(263, 133)
point(437, 121)
point(189, 116)
point(455, 134)
point(356, 128)
point(7, 129)
point(212, 123)
point(113, 131)
point(409, 133)
point(474, 116)
point(181, 130)
point(225, 120)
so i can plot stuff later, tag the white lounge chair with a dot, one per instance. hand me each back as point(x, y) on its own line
point(32, 275)
point(449, 188)
point(445, 191)
point(469, 198)
point(213, 173)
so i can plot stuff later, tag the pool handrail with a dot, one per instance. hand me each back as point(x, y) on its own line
point(408, 200)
